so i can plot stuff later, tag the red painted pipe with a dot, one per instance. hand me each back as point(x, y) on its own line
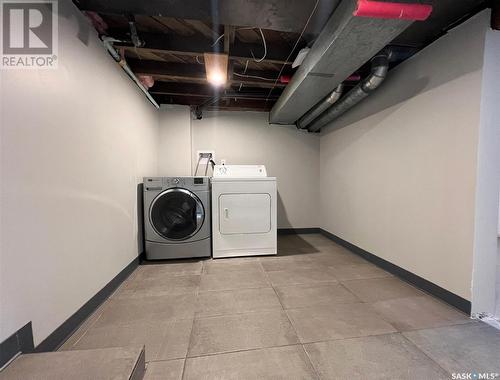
point(353, 78)
point(379, 9)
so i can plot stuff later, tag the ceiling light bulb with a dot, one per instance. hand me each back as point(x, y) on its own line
point(216, 68)
point(217, 78)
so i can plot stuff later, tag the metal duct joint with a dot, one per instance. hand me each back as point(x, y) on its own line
point(321, 107)
point(380, 66)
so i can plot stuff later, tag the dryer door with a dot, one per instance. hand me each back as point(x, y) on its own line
point(244, 213)
point(176, 214)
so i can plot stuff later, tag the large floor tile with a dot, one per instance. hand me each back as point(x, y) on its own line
point(222, 266)
point(163, 340)
point(473, 347)
point(284, 363)
point(236, 301)
point(173, 268)
point(317, 240)
point(159, 285)
point(100, 364)
point(336, 258)
point(375, 357)
point(122, 311)
point(233, 280)
point(288, 263)
point(164, 370)
point(340, 321)
point(293, 242)
point(241, 332)
point(82, 329)
point(296, 296)
point(358, 271)
point(301, 276)
point(380, 289)
point(418, 313)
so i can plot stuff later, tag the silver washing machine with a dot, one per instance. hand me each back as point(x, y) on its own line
point(177, 217)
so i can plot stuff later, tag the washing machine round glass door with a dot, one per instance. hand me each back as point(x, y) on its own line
point(176, 214)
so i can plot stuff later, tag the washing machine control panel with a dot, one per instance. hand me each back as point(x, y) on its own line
point(175, 182)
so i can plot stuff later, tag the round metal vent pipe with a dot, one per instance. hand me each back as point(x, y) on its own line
point(320, 107)
point(380, 66)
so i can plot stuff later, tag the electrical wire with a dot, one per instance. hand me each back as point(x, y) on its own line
point(265, 47)
point(252, 76)
point(293, 49)
point(218, 39)
point(248, 28)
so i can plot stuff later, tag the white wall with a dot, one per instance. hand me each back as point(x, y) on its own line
point(76, 141)
point(247, 138)
point(174, 153)
point(486, 271)
point(398, 172)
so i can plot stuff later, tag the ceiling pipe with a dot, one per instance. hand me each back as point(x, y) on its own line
point(321, 107)
point(108, 44)
point(134, 35)
point(379, 68)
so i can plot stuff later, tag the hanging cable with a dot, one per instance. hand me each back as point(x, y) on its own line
point(217, 40)
point(293, 49)
point(252, 76)
point(248, 28)
point(265, 47)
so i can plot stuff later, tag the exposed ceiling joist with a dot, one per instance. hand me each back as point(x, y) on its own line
point(218, 104)
point(194, 46)
point(280, 15)
point(193, 73)
point(205, 91)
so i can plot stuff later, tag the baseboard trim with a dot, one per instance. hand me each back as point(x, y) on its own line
point(427, 286)
point(296, 231)
point(64, 331)
point(19, 342)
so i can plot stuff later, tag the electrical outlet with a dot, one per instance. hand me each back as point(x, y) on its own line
point(205, 156)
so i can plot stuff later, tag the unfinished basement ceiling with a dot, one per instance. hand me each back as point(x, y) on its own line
point(176, 34)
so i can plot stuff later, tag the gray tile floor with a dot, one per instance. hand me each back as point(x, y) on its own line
point(314, 311)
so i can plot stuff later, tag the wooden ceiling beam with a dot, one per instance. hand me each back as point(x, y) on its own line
point(233, 105)
point(192, 73)
point(207, 91)
point(195, 46)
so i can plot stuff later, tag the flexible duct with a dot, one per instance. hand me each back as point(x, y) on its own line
point(319, 108)
point(379, 68)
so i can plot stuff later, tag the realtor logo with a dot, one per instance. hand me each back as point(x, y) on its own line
point(29, 34)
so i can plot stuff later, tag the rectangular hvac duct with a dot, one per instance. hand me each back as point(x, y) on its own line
point(343, 46)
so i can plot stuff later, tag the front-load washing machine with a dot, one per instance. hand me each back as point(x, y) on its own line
point(177, 217)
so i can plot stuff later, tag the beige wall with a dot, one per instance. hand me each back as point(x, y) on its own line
point(174, 152)
point(75, 142)
point(398, 172)
point(246, 138)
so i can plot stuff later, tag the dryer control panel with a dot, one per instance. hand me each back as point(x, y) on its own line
point(240, 171)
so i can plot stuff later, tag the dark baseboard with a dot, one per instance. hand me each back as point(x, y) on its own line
point(63, 332)
point(20, 341)
point(296, 231)
point(427, 286)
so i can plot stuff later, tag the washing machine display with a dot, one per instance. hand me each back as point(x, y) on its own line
point(177, 214)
